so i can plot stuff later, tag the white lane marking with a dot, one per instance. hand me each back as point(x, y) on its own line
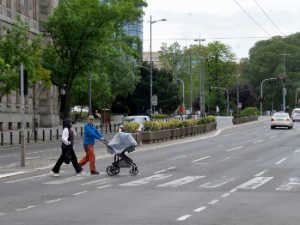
point(218, 182)
point(291, 185)
point(28, 207)
point(201, 163)
point(67, 180)
point(79, 193)
point(273, 136)
point(200, 209)
point(234, 149)
point(183, 217)
point(165, 170)
point(11, 174)
point(255, 183)
point(225, 159)
point(182, 156)
point(213, 202)
point(297, 151)
point(261, 173)
point(146, 180)
point(200, 159)
point(101, 181)
point(287, 132)
point(104, 186)
point(32, 157)
point(280, 161)
point(54, 200)
point(181, 181)
point(28, 178)
point(257, 141)
point(2, 214)
point(233, 190)
point(259, 160)
point(231, 134)
point(225, 195)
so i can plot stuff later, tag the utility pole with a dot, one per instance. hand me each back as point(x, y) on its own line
point(284, 90)
point(90, 95)
point(191, 89)
point(237, 94)
point(22, 117)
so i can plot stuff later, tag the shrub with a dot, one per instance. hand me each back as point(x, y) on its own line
point(212, 119)
point(249, 111)
point(131, 127)
point(173, 123)
point(155, 126)
point(186, 123)
point(193, 122)
point(147, 126)
point(162, 124)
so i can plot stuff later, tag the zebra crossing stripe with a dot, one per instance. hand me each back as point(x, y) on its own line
point(217, 183)
point(255, 183)
point(68, 180)
point(291, 185)
point(181, 181)
point(146, 180)
point(11, 174)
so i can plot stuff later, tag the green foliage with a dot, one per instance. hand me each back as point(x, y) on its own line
point(248, 111)
point(162, 124)
point(15, 49)
point(155, 126)
point(174, 123)
point(193, 122)
point(212, 119)
point(206, 120)
point(147, 126)
point(131, 127)
point(186, 123)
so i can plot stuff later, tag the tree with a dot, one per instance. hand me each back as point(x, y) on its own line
point(16, 49)
point(81, 32)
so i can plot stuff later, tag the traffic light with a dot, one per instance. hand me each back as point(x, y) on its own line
point(262, 99)
point(210, 88)
point(283, 80)
point(278, 80)
point(177, 81)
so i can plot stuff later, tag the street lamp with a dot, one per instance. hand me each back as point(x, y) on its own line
point(237, 91)
point(151, 22)
point(284, 90)
point(201, 69)
point(191, 103)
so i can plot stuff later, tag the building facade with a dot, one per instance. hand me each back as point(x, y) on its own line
point(46, 101)
point(155, 58)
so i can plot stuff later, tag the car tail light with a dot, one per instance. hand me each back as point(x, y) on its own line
point(120, 129)
point(272, 120)
point(287, 120)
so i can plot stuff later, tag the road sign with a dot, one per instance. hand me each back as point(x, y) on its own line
point(240, 105)
point(154, 103)
point(154, 98)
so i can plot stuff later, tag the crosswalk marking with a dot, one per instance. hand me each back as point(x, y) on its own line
point(165, 170)
point(28, 207)
point(234, 149)
point(104, 186)
point(97, 182)
point(261, 173)
point(291, 185)
point(255, 183)
point(280, 161)
point(28, 178)
point(213, 202)
point(11, 174)
point(181, 181)
point(217, 183)
point(146, 180)
point(67, 180)
point(200, 209)
point(54, 200)
point(79, 193)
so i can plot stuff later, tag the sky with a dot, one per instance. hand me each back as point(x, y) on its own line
point(215, 19)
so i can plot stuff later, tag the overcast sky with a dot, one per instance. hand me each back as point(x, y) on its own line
point(187, 19)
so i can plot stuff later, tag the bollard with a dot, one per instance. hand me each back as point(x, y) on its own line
point(101, 127)
point(11, 137)
point(28, 140)
point(20, 137)
point(50, 135)
point(43, 135)
point(56, 134)
point(106, 128)
point(1, 139)
point(76, 130)
point(114, 128)
point(35, 136)
point(81, 131)
point(110, 128)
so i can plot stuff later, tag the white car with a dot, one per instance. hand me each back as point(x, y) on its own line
point(296, 114)
point(281, 119)
point(77, 108)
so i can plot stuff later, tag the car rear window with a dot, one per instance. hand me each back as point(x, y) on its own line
point(137, 120)
point(297, 111)
point(281, 115)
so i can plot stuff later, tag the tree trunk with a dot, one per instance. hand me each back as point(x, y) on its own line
point(65, 104)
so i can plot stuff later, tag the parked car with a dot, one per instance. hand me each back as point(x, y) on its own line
point(296, 114)
point(281, 120)
point(138, 119)
point(77, 108)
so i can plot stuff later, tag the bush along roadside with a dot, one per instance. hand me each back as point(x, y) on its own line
point(246, 116)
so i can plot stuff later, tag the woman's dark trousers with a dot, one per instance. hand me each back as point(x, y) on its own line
point(61, 160)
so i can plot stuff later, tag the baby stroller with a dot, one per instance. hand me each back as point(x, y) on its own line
point(121, 143)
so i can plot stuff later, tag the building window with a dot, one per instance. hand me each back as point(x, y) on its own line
point(34, 9)
point(8, 4)
point(26, 7)
point(17, 5)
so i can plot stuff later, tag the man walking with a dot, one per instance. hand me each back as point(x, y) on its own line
point(181, 111)
point(90, 133)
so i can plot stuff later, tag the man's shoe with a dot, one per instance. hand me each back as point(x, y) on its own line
point(54, 174)
point(94, 172)
point(80, 174)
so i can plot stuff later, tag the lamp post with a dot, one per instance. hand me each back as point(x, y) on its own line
point(261, 92)
point(191, 103)
point(201, 69)
point(151, 22)
point(178, 79)
point(237, 91)
point(284, 90)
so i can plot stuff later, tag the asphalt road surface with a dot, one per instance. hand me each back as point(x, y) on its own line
point(248, 175)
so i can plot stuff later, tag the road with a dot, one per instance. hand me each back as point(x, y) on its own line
point(246, 175)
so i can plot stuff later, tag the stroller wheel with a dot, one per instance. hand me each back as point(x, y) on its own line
point(136, 171)
point(131, 172)
point(110, 171)
point(117, 170)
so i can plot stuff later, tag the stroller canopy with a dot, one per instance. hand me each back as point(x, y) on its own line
point(120, 142)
